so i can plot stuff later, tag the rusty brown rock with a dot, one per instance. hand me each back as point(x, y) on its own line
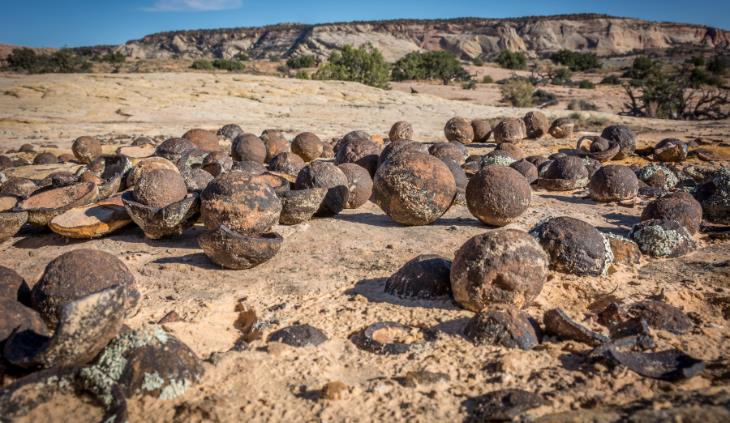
point(10, 223)
point(159, 188)
point(670, 150)
point(15, 316)
point(173, 148)
point(679, 206)
point(237, 251)
point(613, 183)
point(299, 206)
point(526, 169)
point(504, 266)
point(497, 195)
point(288, 163)
point(502, 325)
point(217, 162)
point(363, 152)
point(275, 143)
point(249, 167)
point(512, 149)
point(76, 274)
point(230, 131)
point(360, 184)
point(622, 135)
point(563, 174)
point(320, 174)
point(44, 205)
point(562, 128)
point(400, 130)
point(624, 250)
point(510, 130)
point(396, 147)
point(449, 150)
point(308, 146)
point(423, 277)
point(86, 149)
point(482, 130)
point(248, 147)
point(147, 165)
point(170, 220)
point(559, 324)
point(203, 139)
point(573, 246)
point(458, 129)
point(18, 187)
point(44, 159)
point(536, 124)
point(414, 188)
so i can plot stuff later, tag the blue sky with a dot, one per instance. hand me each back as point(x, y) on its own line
point(59, 23)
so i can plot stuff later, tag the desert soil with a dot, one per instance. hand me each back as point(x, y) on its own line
point(330, 272)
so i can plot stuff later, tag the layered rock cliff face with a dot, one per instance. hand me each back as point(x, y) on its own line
point(465, 37)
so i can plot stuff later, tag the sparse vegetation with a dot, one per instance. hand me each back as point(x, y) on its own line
point(582, 105)
point(611, 80)
point(512, 59)
point(302, 74)
point(517, 93)
point(576, 61)
point(300, 62)
point(543, 98)
point(362, 64)
point(719, 65)
point(202, 64)
point(586, 84)
point(469, 85)
point(439, 65)
point(61, 61)
point(228, 64)
point(478, 61)
point(487, 79)
point(114, 57)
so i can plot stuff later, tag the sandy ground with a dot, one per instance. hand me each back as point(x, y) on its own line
point(330, 272)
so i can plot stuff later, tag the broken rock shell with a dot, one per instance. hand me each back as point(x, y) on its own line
point(502, 325)
point(573, 246)
point(44, 205)
point(237, 251)
point(299, 336)
point(423, 277)
point(299, 206)
point(158, 223)
point(391, 338)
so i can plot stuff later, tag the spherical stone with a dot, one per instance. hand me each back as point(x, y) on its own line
point(562, 128)
point(307, 146)
point(482, 130)
point(248, 147)
point(173, 148)
point(497, 195)
point(76, 274)
point(613, 183)
point(662, 238)
point(624, 137)
point(326, 175)
point(217, 162)
point(14, 316)
point(670, 150)
point(423, 277)
point(497, 157)
point(202, 139)
point(230, 131)
point(288, 163)
point(360, 184)
point(275, 143)
point(397, 147)
point(510, 130)
point(679, 206)
point(658, 176)
point(564, 173)
point(526, 169)
point(147, 165)
point(160, 187)
point(573, 246)
point(714, 196)
point(512, 149)
point(249, 167)
point(6, 162)
point(502, 325)
point(13, 286)
point(86, 149)
point(537, 124)
point(536, 160)
point(241, 202)
point(45, 158)
point(504, 266)
point(414, 188)
point(458, 129)
point(27, 148)
point(449, 150)
point(359, 151)
point(400, 130)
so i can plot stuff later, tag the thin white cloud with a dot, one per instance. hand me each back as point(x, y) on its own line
point(193, 5)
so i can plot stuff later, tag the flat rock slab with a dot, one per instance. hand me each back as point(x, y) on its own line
point(92, 221)
point(38, 172)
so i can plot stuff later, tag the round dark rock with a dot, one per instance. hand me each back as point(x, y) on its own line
point(27, 148)
point(497, 195)
point(679, 206)
point(622, 135)
point(275, 143)
point(449, 150)
point(537, 124)
point(658, 176)
point(236, 251)
point(563, 174)
point(502, 325)
point(45, 158)
point(360, 151)
point(526, 169)
point(360, 184)
point(423, 277)
point(512, 149)
point(458, 129)
point(79, 273)
point(670, 150)
point(714, 196)
point(217, 162)
point(662, 238)
point(562, 128)
point(401, 130)
point(537, 160)
point(248, 167)
point(16, 316)
point(288, 163)
point(299, 206)
point(482, 130)
point(173, 148)
point(146, 165)
point(414, 188)
point(203, 139)
point(504, 266)
point(13, 286)
point(308, 146)
point(573, 246)
point(248, 147)
point(230, 131)
point(160, 188)
point(613, 183)
point(509, 130)
point(326, 175)
point(299, 336)
point(86, 149)
point(396, 147)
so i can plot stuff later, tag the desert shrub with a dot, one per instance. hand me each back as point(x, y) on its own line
point(228, 64)
point(362, 64)
point(299, 62)
point(542, 97)
point(699, 76)
point(478, 61)
point(696, 61)
point(61, 61)
point(611, 80)
point(582, 105)
point(512, 59)
point(113, 57)
point(561, 76)
point(575, 60)
point(487, 79)
point(202, 64)
point(301, 74)
point(719, 65)
point(283, 69)
point(643, 67)
point(275, 58)
point(242, 57)
point(440, 65)
point(469, 85)
point(586, 84)
point(517, 93)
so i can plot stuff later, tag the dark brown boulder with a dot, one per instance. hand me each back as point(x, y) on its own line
point(679, 206)
point(423, 277)
point(321, 174)
point(160, 188)
point(458, 129)
point(502, 325)
point(360, 184)
point(613, 183)
point(248, 147)
point(203, 139)
point(401, 130)
point(308, 146)
point(537, 124)
point(573, 246)
point(497, 195)
point(622, 135)
point(236, 251)
point(86, 149)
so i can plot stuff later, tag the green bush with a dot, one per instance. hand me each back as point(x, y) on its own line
point(719, 65)
point(114, 57)
point(299, 62)
point(642, 68)
point(517, 93)
point(611, 80)
point(542, 97)
point(582, 105)
point(512, 59)
point(228, 64)
point(478, 61)
point(487, 79)
point(586, 84)
point(301, 74)
point(202, 64)
point(440, 65)
point(241, 56)
point(469, 85)
point(700, 76)
point(562, 76)
point(576, 61)
point(363, 64)
point(61, 61)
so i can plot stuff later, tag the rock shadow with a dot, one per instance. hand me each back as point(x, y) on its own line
point(196, 259)
point(569, 199)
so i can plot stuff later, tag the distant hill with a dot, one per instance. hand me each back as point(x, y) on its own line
point(465, 37)
point(6, 49)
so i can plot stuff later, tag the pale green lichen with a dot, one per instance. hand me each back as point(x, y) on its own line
point(497, 160)
point(152, 381)
point(609, 254)
point(647, 173)
point(658, 241)
point(174, 389)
